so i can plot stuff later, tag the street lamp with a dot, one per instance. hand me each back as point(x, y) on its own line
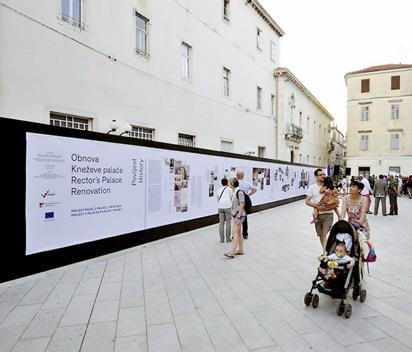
point(113, 126)
point(126, 129)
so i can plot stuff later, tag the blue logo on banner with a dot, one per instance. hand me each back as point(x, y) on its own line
point(49, 215)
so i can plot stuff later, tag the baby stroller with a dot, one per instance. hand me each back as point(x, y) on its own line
point(345, 279)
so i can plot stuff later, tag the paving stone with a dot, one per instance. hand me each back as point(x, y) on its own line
point(40, 291)
point(206, 304)
point(363, 347)
point(181, 302)
point(393, 329)
point(163, 338)
point(44, 324)
point(390, 344)
point(20, 316)
point(78, 311)
point(157, 308)
point(99, 337)
point(67, 339)
point(132, 294)
point(131, 321)
point(253, 334)
point(16, 293)
point(192, 333)
point(32, 345)
point(109, 291)
point(60, 297)
point(5, 309)
point(104, 311)
point(88, 287)
point(222, 333)
point(281, 332)
point(137, 343)
point(9, 337)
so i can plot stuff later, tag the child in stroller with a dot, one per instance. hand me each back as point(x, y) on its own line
point(339, 258)
point(345, 275)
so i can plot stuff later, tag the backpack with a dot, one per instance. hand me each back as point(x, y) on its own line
point(371, 257)
point(367, 252)
point(248, 201)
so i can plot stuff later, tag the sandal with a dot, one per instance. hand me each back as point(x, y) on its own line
point(239, 253)
point(229, 255)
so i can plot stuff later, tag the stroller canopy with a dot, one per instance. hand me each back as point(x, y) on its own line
point(342, 231)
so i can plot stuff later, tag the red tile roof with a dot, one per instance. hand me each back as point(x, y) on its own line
point(380, 68)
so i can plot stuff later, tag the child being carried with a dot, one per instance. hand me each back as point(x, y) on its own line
point(329, 201)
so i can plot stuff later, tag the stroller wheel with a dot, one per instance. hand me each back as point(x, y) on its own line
point(315, 301)
point(355, 293)
point(340, 308)
point(308, 299)
point(362, 295)
point(348, 311)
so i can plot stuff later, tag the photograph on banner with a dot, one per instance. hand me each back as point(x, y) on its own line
point(261, 178)
point(181, 185)
point(230, 172)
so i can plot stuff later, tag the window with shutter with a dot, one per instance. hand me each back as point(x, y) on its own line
point(395, 82)
point(365, 86)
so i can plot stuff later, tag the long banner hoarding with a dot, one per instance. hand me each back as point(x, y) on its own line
point(80, 190)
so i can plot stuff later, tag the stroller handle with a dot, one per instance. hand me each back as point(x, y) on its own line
point(356, 226)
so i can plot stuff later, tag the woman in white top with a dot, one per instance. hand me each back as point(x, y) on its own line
point(238, 216)
point(224, 198)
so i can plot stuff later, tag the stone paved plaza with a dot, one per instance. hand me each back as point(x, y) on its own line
point(182, 294)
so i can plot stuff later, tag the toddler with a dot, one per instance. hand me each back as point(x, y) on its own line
point(340, 257)
point(329, 201)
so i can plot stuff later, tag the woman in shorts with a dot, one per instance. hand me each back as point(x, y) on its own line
point(238, 216)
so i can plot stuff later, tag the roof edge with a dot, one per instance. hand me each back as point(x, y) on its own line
point(379, 68)
point(266, 17)
point(285, 71)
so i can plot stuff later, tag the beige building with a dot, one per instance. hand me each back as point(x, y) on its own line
point(303, 124)
point(379, 110)
point(337, 150)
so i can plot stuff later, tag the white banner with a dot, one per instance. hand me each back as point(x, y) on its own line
point(79, 190)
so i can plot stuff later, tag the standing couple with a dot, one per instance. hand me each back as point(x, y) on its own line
point(232, 198)
point(354, 206)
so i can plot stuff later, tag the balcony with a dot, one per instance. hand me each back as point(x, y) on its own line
point(294, 132)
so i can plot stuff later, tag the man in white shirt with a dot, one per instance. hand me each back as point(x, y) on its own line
point(249, 190)
point(224, 198)
point(367, 191)
point(325, 218)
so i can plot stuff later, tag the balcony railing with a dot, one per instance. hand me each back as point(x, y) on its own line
point(294, 132)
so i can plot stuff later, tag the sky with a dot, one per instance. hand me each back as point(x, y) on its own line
point(325, 39)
